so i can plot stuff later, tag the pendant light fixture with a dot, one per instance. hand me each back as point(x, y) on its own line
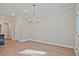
point(33, 18)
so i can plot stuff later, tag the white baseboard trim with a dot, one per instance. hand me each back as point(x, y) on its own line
point(53, 43)
point(47, 43)
point(76, 52)
point(14, 39)
point(24, 40)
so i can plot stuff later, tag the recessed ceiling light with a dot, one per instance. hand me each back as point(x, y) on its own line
point(25, 11)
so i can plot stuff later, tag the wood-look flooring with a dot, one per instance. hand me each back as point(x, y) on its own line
point(13, 48)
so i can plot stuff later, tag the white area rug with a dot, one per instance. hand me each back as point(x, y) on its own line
point(30, 52)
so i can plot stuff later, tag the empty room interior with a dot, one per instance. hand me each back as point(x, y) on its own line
point(39, 29)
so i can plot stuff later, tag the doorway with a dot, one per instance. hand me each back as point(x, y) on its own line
point(7, 31)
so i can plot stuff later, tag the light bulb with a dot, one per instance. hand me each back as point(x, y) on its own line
point(38, 20)
point(25, 11)
point(13, 14)
point(30, 20)
point(35, 19)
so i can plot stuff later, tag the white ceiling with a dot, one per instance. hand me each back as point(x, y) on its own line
point(18, 8)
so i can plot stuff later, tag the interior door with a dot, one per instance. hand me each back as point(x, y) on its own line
point(77, 33)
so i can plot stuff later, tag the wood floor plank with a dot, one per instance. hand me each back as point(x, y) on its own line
point(13, 48)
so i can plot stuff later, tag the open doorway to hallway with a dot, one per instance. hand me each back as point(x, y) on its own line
point(7, 31)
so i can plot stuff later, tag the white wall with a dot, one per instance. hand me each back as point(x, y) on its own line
point(21, 28)
point(57, 28)
point(54, 27)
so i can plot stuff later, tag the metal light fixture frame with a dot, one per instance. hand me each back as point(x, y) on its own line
point(34, 19)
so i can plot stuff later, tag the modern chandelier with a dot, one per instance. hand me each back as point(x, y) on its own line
point(33, 18)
